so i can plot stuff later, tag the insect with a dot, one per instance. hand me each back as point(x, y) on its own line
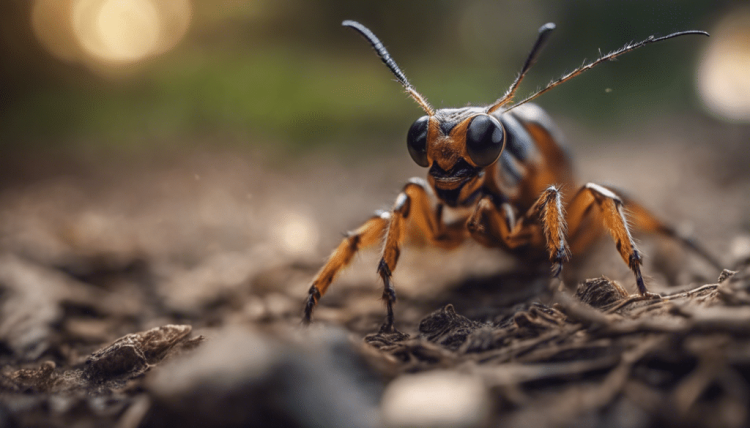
point(501, 168)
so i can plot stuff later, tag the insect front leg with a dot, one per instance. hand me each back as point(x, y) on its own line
point(412, 205)
point(370, 233)
point(496, 225)
point(610, 207)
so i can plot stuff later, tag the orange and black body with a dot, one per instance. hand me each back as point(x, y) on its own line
point(503, 169)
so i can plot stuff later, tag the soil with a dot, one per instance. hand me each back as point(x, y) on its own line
point(169, 292)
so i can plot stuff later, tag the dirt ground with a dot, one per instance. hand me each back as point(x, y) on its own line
point(168, 291)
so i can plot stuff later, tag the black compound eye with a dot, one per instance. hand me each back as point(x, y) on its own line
point(485, 139)
point(416, 141)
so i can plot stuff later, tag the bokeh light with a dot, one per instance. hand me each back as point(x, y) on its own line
point(116, 30)
point(296, 233)
point(101, 33)
point(50, 20)
point(724, 72)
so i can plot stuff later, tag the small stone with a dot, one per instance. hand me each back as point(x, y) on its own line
point(436, 399)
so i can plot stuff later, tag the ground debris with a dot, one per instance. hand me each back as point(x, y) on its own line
point(485, 339)
point(600, 292)
point(447, 328)
point(32, 304)
point(133, 354)
point(41, 379)
point(105, 373)
point(735, 286)
point(593, 361)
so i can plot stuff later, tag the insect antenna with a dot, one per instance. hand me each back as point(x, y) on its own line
point(608, 57)
point(544, 33)
point(390, 63)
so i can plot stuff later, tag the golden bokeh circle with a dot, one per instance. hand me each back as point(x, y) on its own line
point(102, 33)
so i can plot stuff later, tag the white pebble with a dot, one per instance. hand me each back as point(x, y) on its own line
point(436, 399)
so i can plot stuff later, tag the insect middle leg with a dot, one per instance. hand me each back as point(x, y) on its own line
point(542, 225)
point(610, 209)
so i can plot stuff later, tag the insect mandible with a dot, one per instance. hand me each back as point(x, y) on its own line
point(502, 168)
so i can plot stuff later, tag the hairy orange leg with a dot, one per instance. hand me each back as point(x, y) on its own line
point(370, 233)
point(609, 207)
point(413, 206)
point(644, 221)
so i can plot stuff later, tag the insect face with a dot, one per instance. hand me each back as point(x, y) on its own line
point(456, 144)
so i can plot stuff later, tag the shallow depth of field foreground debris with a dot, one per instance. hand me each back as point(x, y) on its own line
point(612, 360)
point(156, 300)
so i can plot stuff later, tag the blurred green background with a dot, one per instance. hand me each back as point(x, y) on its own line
point(285, 74)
